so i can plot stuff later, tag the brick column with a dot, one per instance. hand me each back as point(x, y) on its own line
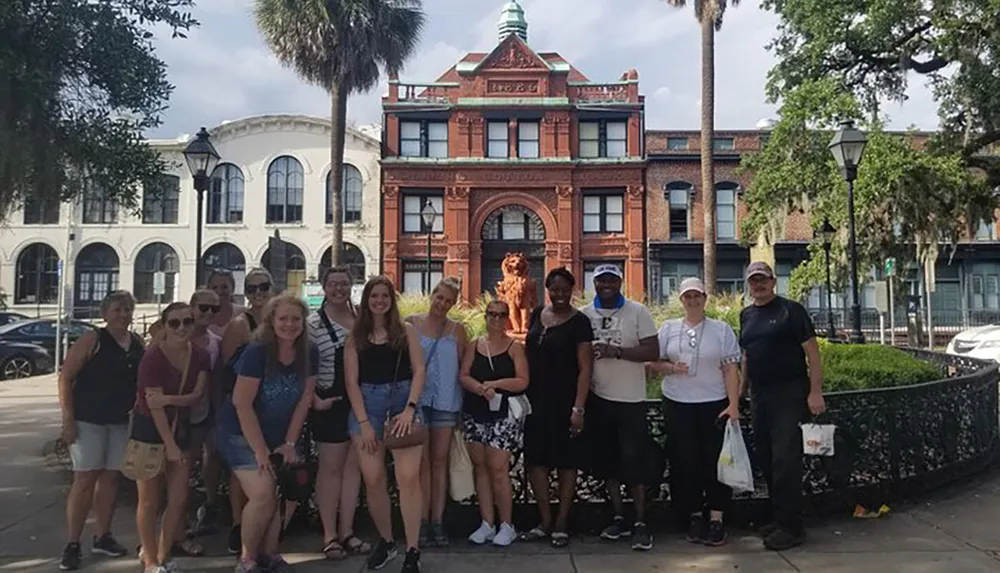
point(390, 233)
point(456, 224)
point(566, 238)
point(473, 281)
point(635, 267)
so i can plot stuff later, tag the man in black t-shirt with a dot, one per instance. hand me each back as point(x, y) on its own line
point(782, 365)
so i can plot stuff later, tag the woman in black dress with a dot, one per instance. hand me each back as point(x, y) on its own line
point(559, 365)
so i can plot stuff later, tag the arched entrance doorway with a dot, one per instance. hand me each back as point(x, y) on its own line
point(229, 257)
point(295, 267)
point(509, 229)
point(96, 276)
point(352, 258)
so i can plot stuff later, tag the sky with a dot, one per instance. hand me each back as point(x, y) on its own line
point(224, 71)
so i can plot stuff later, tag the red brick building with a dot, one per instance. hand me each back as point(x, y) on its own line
point(517, 151)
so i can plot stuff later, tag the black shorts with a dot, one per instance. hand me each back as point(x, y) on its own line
point(617, 439)
point(330, 426)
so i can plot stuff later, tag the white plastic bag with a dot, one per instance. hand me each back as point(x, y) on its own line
point(734, 467)
point(817, 439)
point(461, 475)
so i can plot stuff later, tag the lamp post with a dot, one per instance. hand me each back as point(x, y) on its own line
point(201, 159)
point(847, 146)
point(429, 215)
point(826, 233)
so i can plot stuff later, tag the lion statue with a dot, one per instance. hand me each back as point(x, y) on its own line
point(518, 290)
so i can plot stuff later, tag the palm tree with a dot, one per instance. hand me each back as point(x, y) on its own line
point(709, 14)
point(341, 46)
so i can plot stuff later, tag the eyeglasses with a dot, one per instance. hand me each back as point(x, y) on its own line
point(692, 338)
point(175, 323)
point(261, 288)
point(209, 307)
point(496, 314)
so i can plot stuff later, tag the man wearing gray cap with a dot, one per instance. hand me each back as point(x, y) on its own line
point(625, 338)
point(782, 364)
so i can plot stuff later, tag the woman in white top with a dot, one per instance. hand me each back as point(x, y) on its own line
point(699, 358)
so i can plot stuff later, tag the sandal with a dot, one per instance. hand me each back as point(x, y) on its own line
point(333, 550)
point(536, 534)
point(355, 546)
point(188, 547)
point(559, 539)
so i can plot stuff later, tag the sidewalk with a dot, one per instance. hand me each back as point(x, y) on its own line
point(955, 531)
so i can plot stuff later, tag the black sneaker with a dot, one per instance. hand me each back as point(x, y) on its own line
point(697, 529)
point(108, 545)
point(426, 535)
point(716, 535)
point(235, 543)
point(617, 530)
point(642, 540)
point(412, 562)
point(439, 537)
point(781, 539)
point(384, 552)
point(71, 557)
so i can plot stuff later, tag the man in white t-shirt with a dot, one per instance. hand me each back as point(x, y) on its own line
point(625, 338)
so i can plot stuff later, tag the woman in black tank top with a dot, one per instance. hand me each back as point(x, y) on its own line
point(494, 371)
point(384, 376)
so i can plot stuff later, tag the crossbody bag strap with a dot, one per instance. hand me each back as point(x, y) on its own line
point(329, 326)
point(181, 392)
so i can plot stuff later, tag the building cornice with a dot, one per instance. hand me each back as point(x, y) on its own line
point(254, 125)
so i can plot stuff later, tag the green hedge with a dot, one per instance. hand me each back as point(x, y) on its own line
point(845, 367)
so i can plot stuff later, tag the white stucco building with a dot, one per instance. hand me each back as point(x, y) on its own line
point(272, 175)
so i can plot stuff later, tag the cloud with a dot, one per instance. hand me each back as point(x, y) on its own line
point(224, 70)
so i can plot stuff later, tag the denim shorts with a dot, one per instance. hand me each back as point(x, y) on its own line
point(440, 418)
point(382, 402)
point(235, 451)
point(98, 447)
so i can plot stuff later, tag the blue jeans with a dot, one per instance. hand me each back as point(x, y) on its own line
point(382, 402)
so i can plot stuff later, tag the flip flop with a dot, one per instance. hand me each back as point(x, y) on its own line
point(188, 547)
point(333, 551)
point(559, 539)
point(355, 546)
point(535, 534)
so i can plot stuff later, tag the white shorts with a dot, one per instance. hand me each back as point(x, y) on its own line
point(98, 447)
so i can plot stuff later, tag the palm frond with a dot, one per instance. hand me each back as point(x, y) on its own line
point(715, 9)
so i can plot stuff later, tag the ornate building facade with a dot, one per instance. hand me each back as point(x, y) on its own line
point(514, 151)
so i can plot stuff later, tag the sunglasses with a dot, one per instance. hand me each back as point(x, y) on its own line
point(261, 288)
point(209, 307)
point(496, 314)
point(175, 323)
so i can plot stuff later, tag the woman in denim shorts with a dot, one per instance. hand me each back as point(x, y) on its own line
point(443, 342)
point(384, 376)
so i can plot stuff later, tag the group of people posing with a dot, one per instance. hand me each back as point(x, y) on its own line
point(248, 389)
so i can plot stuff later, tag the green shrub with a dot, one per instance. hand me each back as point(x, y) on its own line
point(845, 366)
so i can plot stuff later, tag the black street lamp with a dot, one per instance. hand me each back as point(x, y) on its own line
point(847, 147)
point(201, 159)
point(429, 215)
point(826, 233)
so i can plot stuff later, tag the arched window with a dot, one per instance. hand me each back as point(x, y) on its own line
point(155, 258)
point(725, 209)
point(96, 274)
point(37, 275)
point(159, 203)
point(285, 180)
point(678, 196)
point(513, 223)
point(350, 198)
point(295, 268)
point(229, 257)
point(225, 200)
point(352, 258)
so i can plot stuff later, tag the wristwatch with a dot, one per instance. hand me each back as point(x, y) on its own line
point(412, 405)
point(578, 410)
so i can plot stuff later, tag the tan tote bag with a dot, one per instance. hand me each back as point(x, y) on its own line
point(146, 461)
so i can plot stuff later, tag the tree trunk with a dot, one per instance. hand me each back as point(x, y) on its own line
point(707, 139)
point(338, 130)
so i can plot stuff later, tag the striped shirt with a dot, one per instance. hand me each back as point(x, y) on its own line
point(329, 382)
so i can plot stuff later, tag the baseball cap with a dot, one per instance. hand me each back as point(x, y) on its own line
point(608, 269)
point(759, 268)
point(691, 283)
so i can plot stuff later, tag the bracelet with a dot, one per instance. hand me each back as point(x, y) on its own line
point(365, 421)
point(578, 410)
point(290, 444)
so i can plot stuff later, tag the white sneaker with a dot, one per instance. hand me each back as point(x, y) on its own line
point(505, 536)
point(484, 534)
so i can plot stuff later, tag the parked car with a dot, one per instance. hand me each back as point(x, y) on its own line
point(9, 317)
point(23, 359)
point(980, 342)
point(42, 332)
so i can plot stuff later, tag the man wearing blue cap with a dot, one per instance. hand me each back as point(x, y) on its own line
point(625, 338)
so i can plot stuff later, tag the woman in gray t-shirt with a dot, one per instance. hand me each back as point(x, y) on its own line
point(699, 357)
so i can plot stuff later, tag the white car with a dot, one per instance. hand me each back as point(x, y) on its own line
point(981, 342)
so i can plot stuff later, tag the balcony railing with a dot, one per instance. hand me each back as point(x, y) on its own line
point(602, 93)
point(422, 93)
